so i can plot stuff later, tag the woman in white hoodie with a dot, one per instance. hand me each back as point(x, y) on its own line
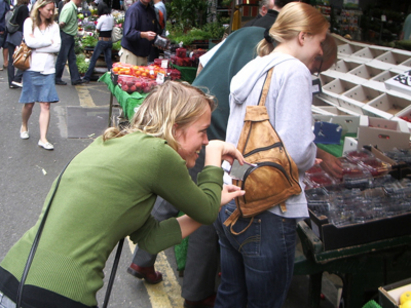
point(42, 34)
point(257, 265)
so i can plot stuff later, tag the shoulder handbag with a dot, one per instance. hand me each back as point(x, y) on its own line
point(33, 249)
point(11, 24)
point(274, 176)
point(22, 57)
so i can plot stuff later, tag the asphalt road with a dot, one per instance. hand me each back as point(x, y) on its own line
point(27, 171)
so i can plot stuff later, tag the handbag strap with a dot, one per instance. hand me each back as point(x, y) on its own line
point(36, 242)
point(266, 86)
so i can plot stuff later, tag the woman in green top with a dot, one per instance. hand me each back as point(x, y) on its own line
point(108, 190)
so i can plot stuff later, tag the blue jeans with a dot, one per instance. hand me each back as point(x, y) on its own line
point(102, 46)
point(67, 53)
point(257, 265)
point(12, 76)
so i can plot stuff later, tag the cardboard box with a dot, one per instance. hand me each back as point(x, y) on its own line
point(332, 91)
point(386, 106)
point(400, 83)
point(330, 110)
point(378, 63)
point(344, 66)
point(384, 76)
point(348, 123)
point(350, 144)
point(370, 52)
point(365, 71)
point(356, 98)
point(346, 50)
point(404, 116)
point(389, 296)
point(382, 133)
point(327, 79)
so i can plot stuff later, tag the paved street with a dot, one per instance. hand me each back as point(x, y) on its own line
point(27, 172)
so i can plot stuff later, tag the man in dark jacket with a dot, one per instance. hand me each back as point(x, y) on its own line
point(264, 7)
point(139, 31)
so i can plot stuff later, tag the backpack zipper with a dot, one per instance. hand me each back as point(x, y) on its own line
point(271, 164)
point(275, 145)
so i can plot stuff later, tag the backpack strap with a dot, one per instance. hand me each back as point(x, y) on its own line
point(266, 86)
point(232, 219)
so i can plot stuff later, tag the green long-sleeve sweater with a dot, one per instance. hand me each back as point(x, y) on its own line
point(106, 193)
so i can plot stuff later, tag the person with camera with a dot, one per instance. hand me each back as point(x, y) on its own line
point(101, 200)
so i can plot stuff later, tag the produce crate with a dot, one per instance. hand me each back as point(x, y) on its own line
point(334, 237)
point(389, 295)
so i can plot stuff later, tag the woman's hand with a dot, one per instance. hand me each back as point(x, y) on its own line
point(217, 151)
point(229, 193)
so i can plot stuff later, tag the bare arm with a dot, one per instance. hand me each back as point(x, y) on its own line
point(189, 225)
point(199, 68)
point(217, 151)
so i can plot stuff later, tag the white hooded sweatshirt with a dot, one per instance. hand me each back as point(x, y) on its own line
point(289, 106)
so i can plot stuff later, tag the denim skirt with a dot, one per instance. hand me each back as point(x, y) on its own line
point(38, 88)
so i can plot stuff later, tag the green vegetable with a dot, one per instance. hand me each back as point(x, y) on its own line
point(117, 45)
point(82, 65)
point(89, 41)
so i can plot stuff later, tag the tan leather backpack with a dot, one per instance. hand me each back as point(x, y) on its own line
point(275, 177)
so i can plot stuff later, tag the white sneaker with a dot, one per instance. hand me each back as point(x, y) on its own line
point(17, 84)
point(46, 146)
point(24, 135)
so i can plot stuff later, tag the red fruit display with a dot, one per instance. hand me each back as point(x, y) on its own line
point(406, 118)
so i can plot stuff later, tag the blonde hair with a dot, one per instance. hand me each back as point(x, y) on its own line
point(167, 104)
point(35, 14)
point(295, 17)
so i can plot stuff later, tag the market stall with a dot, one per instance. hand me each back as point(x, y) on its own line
point(364, 268)
point(127, 101)
point(131, 84)
point(359, 224)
